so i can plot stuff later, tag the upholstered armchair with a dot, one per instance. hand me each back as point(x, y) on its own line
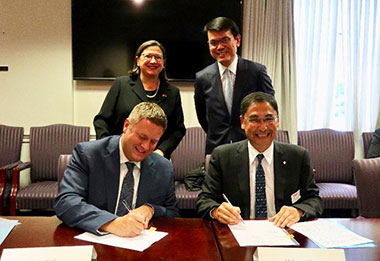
point(188, 155)
point(46, 144)
point(331, 155)
point(367, 175)
point(10, 151)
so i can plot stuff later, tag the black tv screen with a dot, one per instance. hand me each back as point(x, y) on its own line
point(107, 33)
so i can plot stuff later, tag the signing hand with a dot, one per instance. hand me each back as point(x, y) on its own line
point(286, 217)
point(227, 214)
point(129, 225)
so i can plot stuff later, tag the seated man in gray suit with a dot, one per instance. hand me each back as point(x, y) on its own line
point(374, 147)
point(116, 184)
point(262, 178)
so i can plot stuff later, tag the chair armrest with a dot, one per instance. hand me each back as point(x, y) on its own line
point(11, 165)
point(16, 185)
point(23, 166)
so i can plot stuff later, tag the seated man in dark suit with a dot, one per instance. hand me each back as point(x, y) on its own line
point(262, 178)
point(374, 147)
point(116, 184)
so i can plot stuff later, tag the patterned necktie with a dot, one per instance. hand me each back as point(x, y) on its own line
point(126, 191)
point(261, 200)
point(228, 90)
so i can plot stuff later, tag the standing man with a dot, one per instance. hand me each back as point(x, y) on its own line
point(220, 87)
point(262, 178)
point(116, 184)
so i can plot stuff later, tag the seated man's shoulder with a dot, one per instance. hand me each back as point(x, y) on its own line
point(160, 161)
point(96, 145)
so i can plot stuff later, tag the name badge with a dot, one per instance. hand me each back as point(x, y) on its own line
point(295, 196)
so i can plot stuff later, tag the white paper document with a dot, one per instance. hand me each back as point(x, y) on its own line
point(298, 254)
point(261, 233)
point(138, 243)
point(63, 253)
point(6, 226)
point(328, 234)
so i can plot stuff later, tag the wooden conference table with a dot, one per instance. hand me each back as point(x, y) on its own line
point(370, 228)
point(188, 239)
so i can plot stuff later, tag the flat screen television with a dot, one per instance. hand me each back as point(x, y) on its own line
point(107, 33)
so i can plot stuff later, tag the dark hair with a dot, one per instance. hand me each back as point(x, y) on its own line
point(136, 70)
point(257, 97)
point(222, 24)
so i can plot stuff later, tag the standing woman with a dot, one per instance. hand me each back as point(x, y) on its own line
point(146, 82)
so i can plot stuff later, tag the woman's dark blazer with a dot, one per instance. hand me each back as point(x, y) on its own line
point(124, 94)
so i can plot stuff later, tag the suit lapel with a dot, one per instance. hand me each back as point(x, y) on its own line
point(138, 89)
point(145, 183)
point(280, 174)
point(162, 94)
point(240, 84)
point(214, 78)
point(242, 168)
point(112, 172)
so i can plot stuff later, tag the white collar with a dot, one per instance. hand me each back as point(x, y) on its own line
point(232, 67)
point(268, 153)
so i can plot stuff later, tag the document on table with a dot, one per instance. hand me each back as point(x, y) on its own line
point(261, 233)
point(327, 234)
point(6, 226)
point(62, 253)
point(298, 254)
point(138, 243)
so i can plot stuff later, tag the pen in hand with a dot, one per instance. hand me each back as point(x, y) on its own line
point(125, 204)
point(226, 199)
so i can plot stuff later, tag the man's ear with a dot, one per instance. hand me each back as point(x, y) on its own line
point(126, 124)
point(242, 122)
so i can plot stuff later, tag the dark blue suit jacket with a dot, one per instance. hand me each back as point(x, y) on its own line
point(212, 112)
point(89, 189)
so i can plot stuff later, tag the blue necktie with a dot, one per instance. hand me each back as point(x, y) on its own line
point(228, 90)
point(261, 200)
point(126, 191)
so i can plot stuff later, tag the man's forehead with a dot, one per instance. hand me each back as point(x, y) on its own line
point(261, 108)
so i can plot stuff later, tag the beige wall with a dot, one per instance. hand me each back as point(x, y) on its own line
point(38, 89)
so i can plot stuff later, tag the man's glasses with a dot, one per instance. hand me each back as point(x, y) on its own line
point(215, 43)
point(149, 57)
point(267, 120)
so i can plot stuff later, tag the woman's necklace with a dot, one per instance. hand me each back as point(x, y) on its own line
point(154, 95)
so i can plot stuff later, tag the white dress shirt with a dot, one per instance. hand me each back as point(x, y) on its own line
point(123, 172)
point(223, 76)
point(268, 166)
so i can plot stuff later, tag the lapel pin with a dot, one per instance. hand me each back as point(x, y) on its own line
point(164, 95)
point(284, 162)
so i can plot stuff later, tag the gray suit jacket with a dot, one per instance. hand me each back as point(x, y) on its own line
point(212, 112)
point(89, 189)
point(229, 174)
point(374, 147)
